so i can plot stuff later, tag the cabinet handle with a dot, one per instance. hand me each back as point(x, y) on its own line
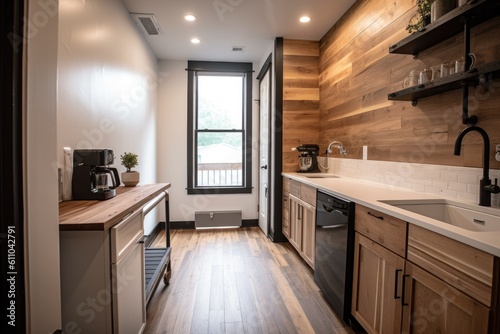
point(378, 217)
point(396, 275)
point(300, 212)
point(403, 303)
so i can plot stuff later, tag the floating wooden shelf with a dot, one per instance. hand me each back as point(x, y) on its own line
point(447, 26)
point(478, 75)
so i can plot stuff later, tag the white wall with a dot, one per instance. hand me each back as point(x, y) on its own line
point(91, 82)
point(41, 191)
point(172, 149)
point(107, 79)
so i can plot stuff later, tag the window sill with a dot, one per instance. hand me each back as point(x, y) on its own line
point(219, 190)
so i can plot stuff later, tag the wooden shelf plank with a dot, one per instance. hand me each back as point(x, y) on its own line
point(448, 83)
point(447, 26)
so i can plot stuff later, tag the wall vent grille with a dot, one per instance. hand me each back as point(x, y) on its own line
point(212, 219)
point(147, 23)
point(238, 49)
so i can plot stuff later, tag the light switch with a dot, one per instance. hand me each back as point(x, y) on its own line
point(365, 152)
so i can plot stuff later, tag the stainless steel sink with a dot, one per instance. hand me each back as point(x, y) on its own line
point(321, 176)
point(469, 217)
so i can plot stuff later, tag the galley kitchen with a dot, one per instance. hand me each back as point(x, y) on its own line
point(247, 166)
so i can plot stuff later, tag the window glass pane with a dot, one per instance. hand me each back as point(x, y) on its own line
point(219, 159)
point(220, 102)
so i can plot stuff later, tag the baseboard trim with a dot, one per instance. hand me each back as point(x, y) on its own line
point(182, 225)
point(250, 222)
point(152, 236)
point(189, 225)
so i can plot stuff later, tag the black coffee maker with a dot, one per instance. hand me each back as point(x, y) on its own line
point(308, 161)
point(91, 175)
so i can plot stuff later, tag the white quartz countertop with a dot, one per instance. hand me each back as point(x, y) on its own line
point(370, 194)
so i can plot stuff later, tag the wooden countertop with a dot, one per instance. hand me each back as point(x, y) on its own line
point(101, 215)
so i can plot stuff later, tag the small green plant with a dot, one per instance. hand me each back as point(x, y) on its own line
point(129, 160)
point(422, 18)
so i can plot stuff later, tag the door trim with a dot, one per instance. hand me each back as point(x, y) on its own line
point(266, 68)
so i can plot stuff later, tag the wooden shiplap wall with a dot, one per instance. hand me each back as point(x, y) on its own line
point(356, 73)
point(300, 98)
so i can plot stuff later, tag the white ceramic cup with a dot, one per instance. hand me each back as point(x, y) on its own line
point(426, 75)
point(460, 63)
point(446, 69)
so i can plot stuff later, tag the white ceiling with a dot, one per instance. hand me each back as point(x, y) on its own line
point(222, 24)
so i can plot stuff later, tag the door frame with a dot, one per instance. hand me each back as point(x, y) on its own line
point(12, 197)
point(267, 69)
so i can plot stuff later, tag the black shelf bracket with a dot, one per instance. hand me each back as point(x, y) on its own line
point(459, 19)
point(466, 119)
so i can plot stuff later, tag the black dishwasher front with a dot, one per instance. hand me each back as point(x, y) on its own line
point(334, 252)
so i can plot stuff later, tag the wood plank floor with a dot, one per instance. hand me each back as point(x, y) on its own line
point(238, 281)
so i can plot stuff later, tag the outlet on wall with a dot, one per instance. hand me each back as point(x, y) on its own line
point(365, 152)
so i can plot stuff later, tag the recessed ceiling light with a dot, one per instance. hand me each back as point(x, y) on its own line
point(190, 17)
point(305, 19)
point(195, 40)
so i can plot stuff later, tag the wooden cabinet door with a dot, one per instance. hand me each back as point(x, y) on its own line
point(308, 215)
point(376, 295)
point(433, 306)
point(286, 215)
point(295, 222)
point(128, 287)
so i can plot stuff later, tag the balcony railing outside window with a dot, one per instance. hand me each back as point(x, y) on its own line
point(220, 174)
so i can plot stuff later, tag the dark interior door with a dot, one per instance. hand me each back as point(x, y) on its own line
point(11, 172)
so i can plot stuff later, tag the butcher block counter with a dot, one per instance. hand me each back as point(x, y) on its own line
point(108, 273)
point(101, 215)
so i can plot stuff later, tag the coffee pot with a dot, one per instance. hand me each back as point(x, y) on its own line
point(101, 177)
point(93, 179)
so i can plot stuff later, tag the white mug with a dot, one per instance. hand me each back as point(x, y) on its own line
point(460, 63)
point(447, 68)
point(426, 75)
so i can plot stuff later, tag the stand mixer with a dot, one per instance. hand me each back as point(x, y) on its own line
point(308, 162)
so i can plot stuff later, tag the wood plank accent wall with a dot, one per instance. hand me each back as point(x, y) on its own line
point(357, 72)
point(300, 98)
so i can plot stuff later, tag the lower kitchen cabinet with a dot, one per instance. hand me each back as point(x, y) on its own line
point(438, 285)
point(376, 300)
point(102, 279)
point(302, 228)
point(433, 306)
point(286, 215)
point(300, 210)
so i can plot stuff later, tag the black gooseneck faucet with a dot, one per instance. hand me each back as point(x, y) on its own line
point(485, 186)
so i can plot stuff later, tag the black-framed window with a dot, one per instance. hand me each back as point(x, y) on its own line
point(219, 127)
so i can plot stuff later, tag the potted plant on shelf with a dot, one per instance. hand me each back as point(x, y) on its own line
point(422, 17)
point(130, 178)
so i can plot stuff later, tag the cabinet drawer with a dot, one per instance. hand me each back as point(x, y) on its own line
point(386, 230)
point(295, 188)
point(308, 194)
point(125, 234)
point(286, 184)
point(464, 267)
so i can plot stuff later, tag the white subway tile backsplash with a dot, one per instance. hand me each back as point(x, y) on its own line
point(432, 174)
point(449, 176)
point(431, 190)
point(448, 193)
point(440, 184)
point(457, 186)
point(449, 181)
point(468, 178)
